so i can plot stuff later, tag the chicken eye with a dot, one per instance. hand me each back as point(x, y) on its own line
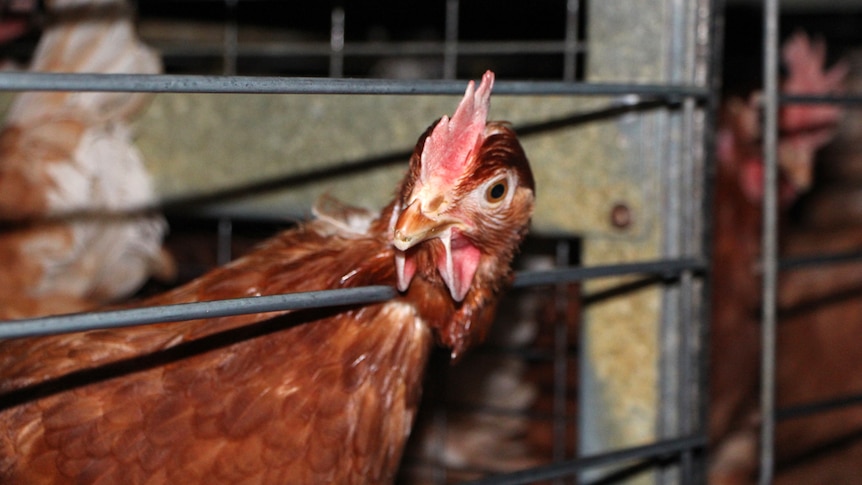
point(497, 191)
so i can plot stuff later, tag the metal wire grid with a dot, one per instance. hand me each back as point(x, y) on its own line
point(671, 271)
point(682, 275)
point(773, 265)
point(333, 51)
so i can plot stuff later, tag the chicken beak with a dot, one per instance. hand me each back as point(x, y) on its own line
point(459, 261)
point(797, 165)
point(411, 228)
point(414, 227)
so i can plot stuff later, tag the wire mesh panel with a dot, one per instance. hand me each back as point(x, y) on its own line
point(595, 369)
point(780, 340)
point(775, 326)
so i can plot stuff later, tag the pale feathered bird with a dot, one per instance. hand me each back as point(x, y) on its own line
point(71, 181)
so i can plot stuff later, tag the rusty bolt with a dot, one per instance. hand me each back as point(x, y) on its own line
point(621, 216)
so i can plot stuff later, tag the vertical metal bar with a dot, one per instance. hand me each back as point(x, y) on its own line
point(231, 39)
point(561, 357)
point(713, 15)
point(438, 461)
point(336, 43)
point(229, 57)
point(672, 364)
point(681, 325)
point(570, 51)
point(671, 320)
point(223, 244)
point(770, 239)
point(450, 53)
point(688, 325)
point(585, 430)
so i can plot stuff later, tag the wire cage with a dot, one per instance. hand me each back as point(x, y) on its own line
point(786, 268)
point(600, 350)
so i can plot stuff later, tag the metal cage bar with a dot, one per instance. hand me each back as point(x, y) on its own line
point(376, 49)
point(305, 300)
point(192, 311)
point(657, 450)
point(178, 83)
point(770, 240)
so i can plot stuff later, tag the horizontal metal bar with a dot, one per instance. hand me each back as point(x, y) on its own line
point(192, 311)
point(367, 49)
point(179, 83)
point(570, 467)
point(845, 99)
point(297, 301)
point(808, 409)
point(666, 267)
point(802, 262)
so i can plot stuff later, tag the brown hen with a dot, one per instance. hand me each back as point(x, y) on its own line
point(736, 298)
point(325, 396)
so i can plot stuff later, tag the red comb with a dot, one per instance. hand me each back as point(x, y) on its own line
point(448, 147)
point(805, 59)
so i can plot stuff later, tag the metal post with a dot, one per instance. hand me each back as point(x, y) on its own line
point(223, 243)
point(231, 39)
point(450, 56)
point(561, 357)
point(336, 43)
point(570, 61)
point(770, 239)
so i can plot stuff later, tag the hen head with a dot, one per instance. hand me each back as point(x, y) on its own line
point(466, 202)
point(803, 128)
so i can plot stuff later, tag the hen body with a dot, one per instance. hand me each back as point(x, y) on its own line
point(736, 297)
point(324, 396)
point(819, 325)
point(71, 180)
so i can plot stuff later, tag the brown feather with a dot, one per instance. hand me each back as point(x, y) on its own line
point(316, 396)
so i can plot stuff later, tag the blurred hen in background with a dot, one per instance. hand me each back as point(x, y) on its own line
point(735, 330)
point(74, 191)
